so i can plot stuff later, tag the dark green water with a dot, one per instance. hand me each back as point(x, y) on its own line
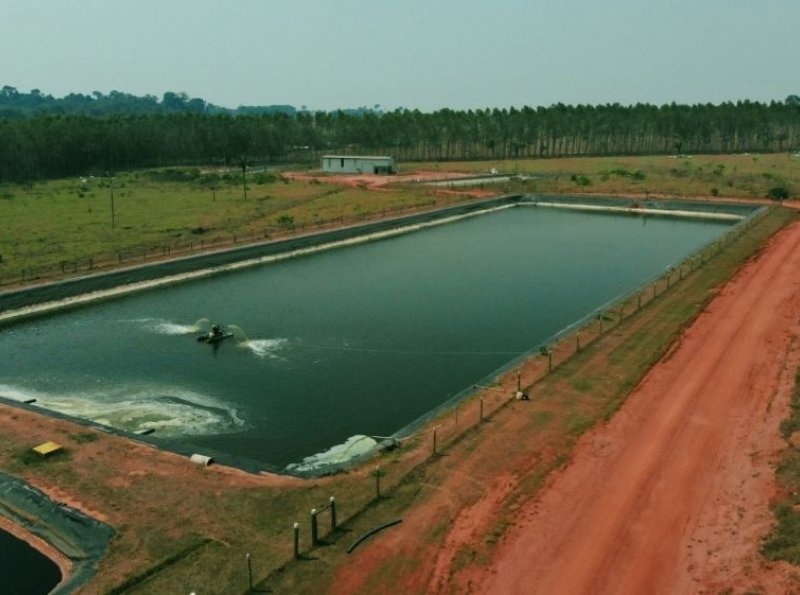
point(23, 570)
point(358, 340)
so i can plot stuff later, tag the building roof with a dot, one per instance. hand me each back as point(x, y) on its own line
point(357, 157)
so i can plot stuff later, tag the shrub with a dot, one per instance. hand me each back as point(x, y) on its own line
point(778, 193)
point(286, 221)
point(266, 179)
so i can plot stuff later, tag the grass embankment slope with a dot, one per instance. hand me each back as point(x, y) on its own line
point(182, 528)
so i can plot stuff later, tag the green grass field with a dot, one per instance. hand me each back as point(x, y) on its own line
point(70, 220)
point(733, 176)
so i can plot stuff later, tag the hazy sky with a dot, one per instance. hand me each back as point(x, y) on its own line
point(424, 54)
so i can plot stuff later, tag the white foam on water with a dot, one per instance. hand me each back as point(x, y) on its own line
point(169, 410)
point(264, 347)
point(171, 328)
point(341, 453)
point(166, 327)
point(161, 326)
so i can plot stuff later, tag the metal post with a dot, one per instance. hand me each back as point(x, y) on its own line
point(333, 514)
point(113, 217)
point(378, 473)
point(314, 526)
point(296, 541)
point(249, 571)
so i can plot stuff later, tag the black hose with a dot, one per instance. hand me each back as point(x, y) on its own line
point(369, 534)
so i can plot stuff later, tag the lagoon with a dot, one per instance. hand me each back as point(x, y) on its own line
point(362, 339)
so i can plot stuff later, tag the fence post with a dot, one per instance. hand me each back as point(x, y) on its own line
point(296, 541)
point(333, 514)
point(434, 440)
point(481, 411)
point(313, 527)
point(378, 473)
point(249, 571)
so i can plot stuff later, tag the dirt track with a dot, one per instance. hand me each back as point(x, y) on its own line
point(671, 496)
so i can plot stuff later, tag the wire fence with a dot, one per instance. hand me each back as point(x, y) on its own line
point(139, 255)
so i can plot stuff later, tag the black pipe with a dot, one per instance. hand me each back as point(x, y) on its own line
point(369, 534)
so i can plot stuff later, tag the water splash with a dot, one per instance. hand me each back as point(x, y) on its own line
point(167, 327)
point(264, 347)
point(237, 330)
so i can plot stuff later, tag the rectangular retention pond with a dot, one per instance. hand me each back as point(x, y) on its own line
point(360, 340)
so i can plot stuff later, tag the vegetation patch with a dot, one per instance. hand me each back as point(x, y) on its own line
point(784, 541)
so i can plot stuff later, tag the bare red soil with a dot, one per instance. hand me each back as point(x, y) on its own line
point(671, 496)
point(373, 181)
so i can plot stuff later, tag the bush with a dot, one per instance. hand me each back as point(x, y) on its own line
point(286, 221)
point(715, 192)
point(266, 179)
point(778, 193)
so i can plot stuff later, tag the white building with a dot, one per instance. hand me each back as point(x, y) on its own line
point(357, 164)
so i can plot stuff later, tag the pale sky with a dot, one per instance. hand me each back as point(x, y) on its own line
point(424, 54)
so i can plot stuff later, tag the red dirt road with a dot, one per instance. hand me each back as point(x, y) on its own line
point(672, 495)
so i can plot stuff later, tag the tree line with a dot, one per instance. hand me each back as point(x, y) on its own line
point(53, 145)
point(15, 104)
